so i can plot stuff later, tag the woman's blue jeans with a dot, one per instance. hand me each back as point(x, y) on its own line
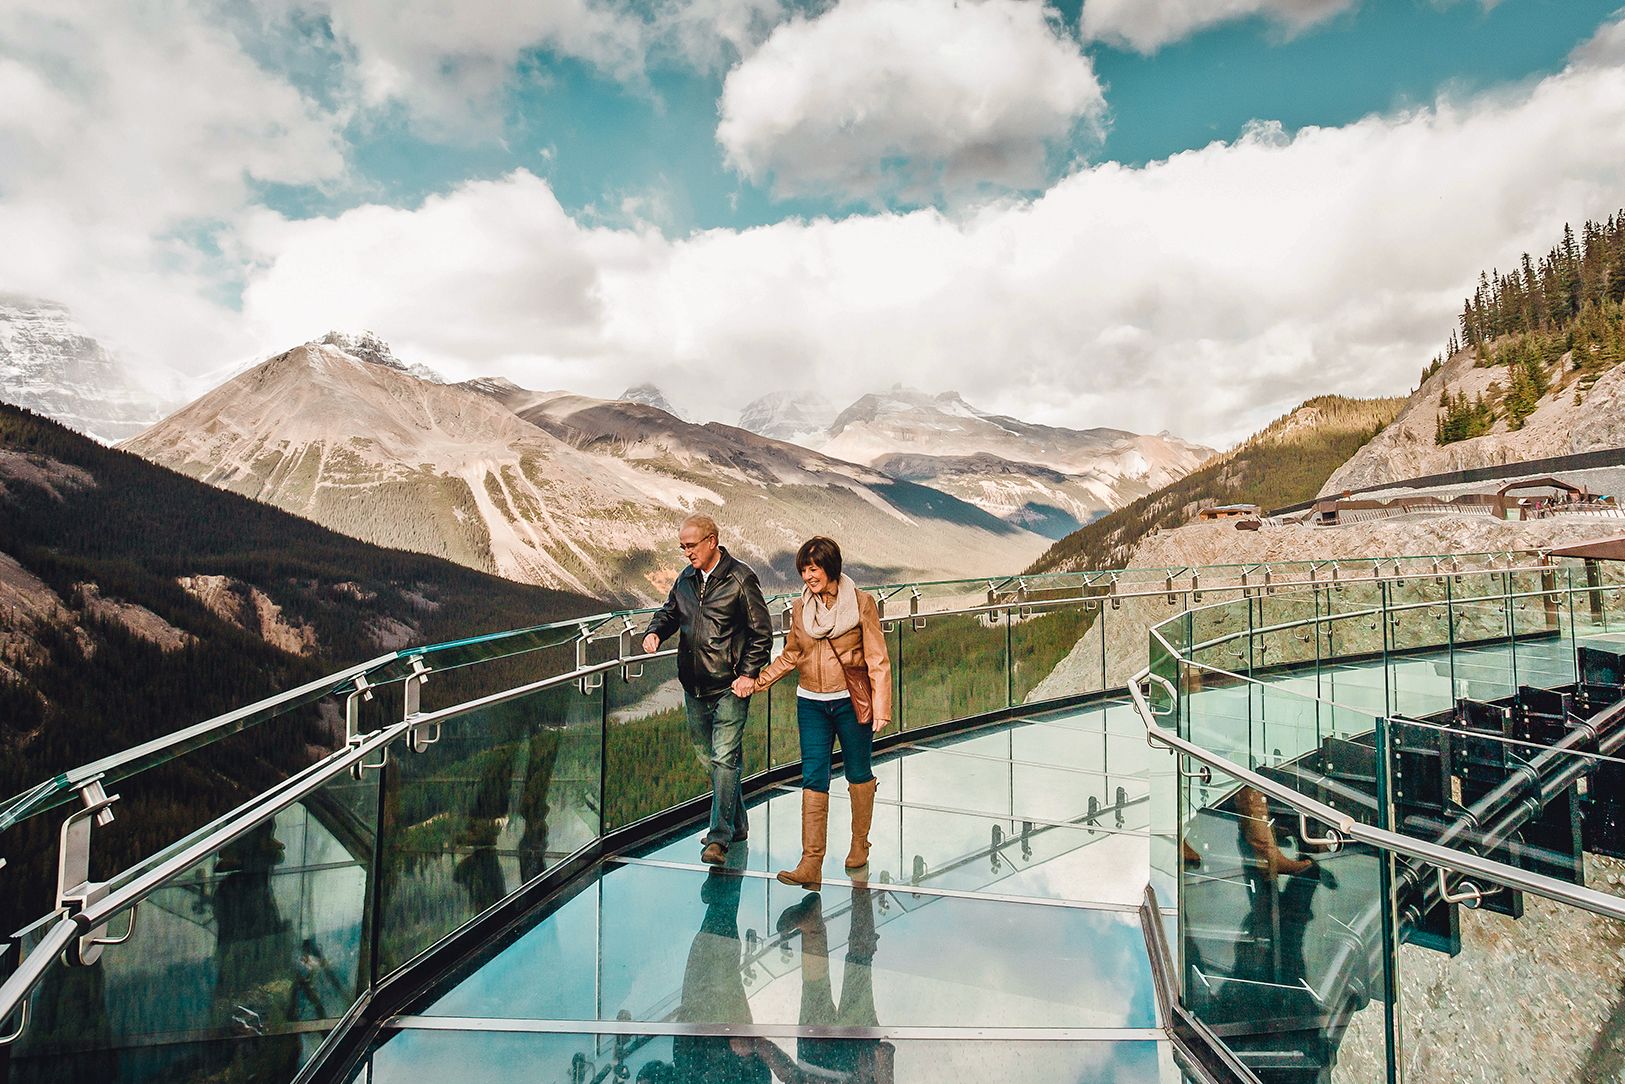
point(820, 723)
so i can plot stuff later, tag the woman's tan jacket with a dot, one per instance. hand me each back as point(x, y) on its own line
point(820, 669)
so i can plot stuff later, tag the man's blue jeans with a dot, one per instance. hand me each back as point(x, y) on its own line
point(717, 725)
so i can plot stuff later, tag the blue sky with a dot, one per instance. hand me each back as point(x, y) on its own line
point(1062, 212)
point(599, 140)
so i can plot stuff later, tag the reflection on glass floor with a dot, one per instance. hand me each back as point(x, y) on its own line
point(995, 935)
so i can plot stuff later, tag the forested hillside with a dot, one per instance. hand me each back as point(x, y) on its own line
point(1283, 463)
point(1536, 368)
point(135, 601)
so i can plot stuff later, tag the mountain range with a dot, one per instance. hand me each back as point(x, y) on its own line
point(550, 487)
point(583, 494)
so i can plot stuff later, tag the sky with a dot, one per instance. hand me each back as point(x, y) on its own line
point(1182, 215)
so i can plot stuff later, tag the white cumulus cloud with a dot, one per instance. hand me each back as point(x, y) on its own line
point(131, 138)
point(919, 96)
point(1148, 25)
point(1205, 293)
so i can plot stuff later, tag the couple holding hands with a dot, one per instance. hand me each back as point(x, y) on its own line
point(834, 645)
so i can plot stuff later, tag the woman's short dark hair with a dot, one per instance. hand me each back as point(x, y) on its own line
point(822, 552)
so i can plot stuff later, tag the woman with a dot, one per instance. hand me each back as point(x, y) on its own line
point(834, 644)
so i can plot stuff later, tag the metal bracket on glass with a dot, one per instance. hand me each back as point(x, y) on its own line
point(914, 618)
point(1168, 585)
point(352, 727)
point(1111, 589)
point(422, 735)
point(75, 891)
point(587, 683)
point(1467, 892)
point(22, 1025)
point(1144, 699)
point(1399, 573)
point(1196, 586)
point(628, 647)
point(1332, 840)
point(1204, 773)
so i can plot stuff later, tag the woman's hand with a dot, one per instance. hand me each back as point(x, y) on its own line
point(880, 724)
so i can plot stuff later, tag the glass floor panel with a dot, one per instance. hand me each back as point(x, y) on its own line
point(479, 1057)
point(1105, 862)
point(656, 944)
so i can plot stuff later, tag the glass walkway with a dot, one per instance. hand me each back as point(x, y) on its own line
point(997, 933)
point(1349, 822)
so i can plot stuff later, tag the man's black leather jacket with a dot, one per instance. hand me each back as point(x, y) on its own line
point(727, 635)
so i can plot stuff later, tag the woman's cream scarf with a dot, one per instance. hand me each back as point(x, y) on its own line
point(823, 622)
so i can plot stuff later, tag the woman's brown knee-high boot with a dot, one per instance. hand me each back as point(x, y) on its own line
point(863, 815)
point(809, 872)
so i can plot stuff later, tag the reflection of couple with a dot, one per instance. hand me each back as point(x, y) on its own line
point(714, 993)
point(1282, 887)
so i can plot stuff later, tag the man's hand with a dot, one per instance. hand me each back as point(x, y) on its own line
point(651, 644)
point(744, 686)
point(880, 724)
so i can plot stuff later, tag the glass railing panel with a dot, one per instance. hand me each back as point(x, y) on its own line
point(650, 761)
point(481, 1057)
point(1519, 987)
point(1285, 633)
point(1220, 635)
point(1056, 652)
point(1281, 945)
point(1542, 628)
point(504, 794)
point(952, 668)
point(234, 970)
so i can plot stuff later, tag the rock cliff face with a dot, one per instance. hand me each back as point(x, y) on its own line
point(54, 367)
point(1559, 426)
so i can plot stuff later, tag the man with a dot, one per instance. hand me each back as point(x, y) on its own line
point(726, 637)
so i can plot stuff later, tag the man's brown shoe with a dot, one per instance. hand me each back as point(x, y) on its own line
point(714, 854)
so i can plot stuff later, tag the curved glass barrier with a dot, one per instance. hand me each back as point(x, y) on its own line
point(478, 765)
point(1481, 711)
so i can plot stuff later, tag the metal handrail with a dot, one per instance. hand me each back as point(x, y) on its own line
point(1353, 831)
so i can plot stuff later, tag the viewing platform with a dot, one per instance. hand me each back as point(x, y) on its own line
point(1349, 821)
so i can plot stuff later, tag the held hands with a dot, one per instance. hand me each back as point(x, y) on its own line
point(651, 644)
point(744, 686)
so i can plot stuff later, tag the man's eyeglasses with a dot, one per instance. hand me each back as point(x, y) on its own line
point(690, 547)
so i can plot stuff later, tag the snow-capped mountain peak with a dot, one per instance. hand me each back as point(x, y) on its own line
point(50, 364)
point(650, 395)
point(366, 346)
point(799, 417)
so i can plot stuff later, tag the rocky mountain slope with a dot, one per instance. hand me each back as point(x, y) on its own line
point(52, 365)
point(134, 601)
point(1569, 418)
point(547, 487)
point(1281, 464)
